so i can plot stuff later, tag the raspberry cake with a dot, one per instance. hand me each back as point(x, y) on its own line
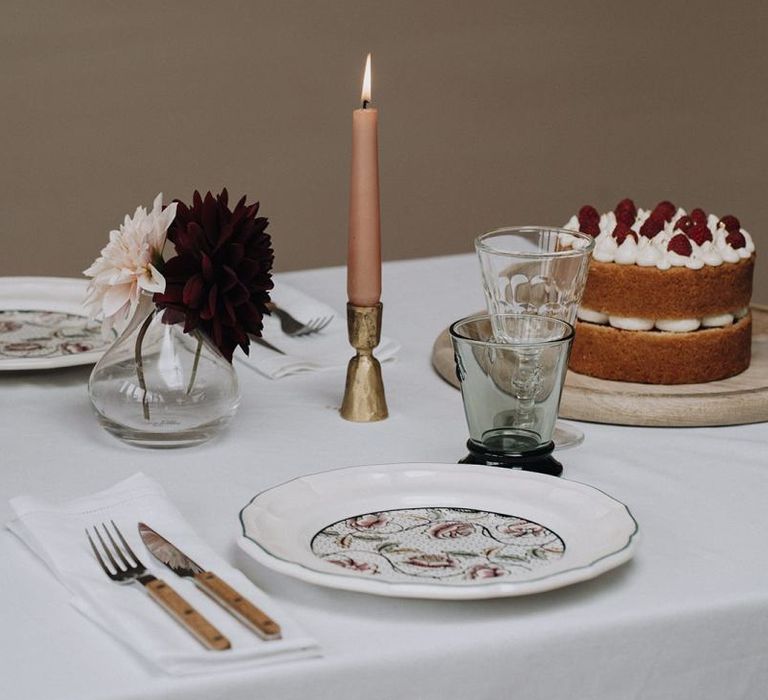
point(667, 296)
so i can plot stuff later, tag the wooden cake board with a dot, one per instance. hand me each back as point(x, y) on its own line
point(733, 401)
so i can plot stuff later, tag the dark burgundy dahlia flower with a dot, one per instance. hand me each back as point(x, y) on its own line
point(219, 280)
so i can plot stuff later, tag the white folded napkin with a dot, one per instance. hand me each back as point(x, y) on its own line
point(327, 349)
point(56, 533)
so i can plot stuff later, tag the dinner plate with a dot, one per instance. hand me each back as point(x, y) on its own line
point(43, 324)
point(445, 531)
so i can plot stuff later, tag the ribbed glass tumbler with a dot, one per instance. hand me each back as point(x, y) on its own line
point(536, 270)
point(511, 389)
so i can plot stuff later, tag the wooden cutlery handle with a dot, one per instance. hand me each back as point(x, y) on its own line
point(186, 615)
point(245, 611)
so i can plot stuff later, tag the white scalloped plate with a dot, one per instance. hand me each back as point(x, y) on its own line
point(443, 531)
point(43, 324)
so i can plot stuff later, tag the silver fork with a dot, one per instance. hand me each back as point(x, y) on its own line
point(296, 329)
point(158, 590)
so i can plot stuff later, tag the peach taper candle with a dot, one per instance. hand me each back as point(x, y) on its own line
point(364, 399)
point(364, 246)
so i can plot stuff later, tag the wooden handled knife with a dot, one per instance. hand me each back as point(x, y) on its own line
point(240, 607)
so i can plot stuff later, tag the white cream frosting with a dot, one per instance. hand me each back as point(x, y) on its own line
point(669, 325)
point(717, 321)
point(648, 255)
point(626, 253)
point(677, 325)
point(591, 316)
point(652, 252)
point(630, 323)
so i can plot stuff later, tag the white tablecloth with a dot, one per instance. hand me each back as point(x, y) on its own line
point(688, 618)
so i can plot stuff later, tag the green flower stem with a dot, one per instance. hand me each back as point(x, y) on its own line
point(140, 365)
point(193, 376)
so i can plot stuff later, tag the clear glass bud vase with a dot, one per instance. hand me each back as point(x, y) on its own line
point(157, 386)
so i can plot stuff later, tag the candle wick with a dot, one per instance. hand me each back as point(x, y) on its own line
point(365, 104)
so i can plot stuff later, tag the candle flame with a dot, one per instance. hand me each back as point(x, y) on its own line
point(366, 95)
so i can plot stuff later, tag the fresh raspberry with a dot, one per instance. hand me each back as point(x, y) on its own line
point(625, 216)
point(736, 240)
point(665, 209)
point(652, 226)
point(588, 213)
point(730, 223)
point(680, 244)
point(626, 212)
point(626, 204)
point(698, 216)
point(699, 233)
point(621, 232)
point(589, 220)
point(683, 224)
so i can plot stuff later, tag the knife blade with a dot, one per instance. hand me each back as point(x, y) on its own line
point(267, 345)
point(237, 605)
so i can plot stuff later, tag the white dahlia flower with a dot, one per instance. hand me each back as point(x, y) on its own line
point(127, 265)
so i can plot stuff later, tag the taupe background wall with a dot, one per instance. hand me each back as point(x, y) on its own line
point(492, 113)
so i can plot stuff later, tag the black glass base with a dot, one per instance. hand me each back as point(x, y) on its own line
point(539, 460)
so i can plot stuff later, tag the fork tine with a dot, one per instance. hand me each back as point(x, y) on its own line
point(98, 556)
point(306, 330)
point(106, 550)
point(116, 547)
point(125, 544)
point(314, 326)
point(309, 328)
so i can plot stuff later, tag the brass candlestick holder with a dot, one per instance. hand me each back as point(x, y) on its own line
point(364, 399)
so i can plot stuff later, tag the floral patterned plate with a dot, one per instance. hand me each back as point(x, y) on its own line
point(43, 325)
point(450, 531)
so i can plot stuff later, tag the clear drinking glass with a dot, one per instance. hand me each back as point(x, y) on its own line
point(535, 270)
point(511, 388)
